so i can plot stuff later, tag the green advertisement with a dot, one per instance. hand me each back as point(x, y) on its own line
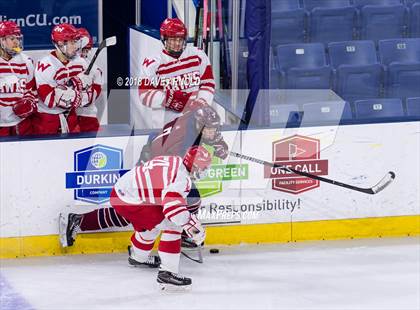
point(219, 172)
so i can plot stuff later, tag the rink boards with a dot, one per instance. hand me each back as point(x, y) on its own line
point(243, 202)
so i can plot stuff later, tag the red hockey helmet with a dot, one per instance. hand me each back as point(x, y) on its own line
point(9, 28)
point(197, 159)
point(173, 28)
point(64, 32)
point(83, 33)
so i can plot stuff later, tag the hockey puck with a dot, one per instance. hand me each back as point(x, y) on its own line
point(214, 251)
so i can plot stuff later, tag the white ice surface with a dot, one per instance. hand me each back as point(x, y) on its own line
point(357, 274)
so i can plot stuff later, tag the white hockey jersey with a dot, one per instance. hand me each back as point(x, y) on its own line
point(16, 80)
point(163, 181)
point(191, 73)
point(50, 72)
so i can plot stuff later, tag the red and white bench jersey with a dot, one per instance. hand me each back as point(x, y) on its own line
point(191, 73)
point(90, 109)
point(50, 72)
point(16, 80)
point(162, 181)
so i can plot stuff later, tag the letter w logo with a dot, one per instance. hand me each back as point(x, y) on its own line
point(148, 62)
point(42, 67)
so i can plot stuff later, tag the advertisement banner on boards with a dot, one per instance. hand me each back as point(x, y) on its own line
point(37, 18)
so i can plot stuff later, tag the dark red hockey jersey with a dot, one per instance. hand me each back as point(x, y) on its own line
point(180, 134)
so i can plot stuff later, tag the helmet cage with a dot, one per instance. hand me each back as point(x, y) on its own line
point(63, 48)
point(14, 50)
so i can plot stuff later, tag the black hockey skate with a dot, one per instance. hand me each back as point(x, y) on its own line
point(171, 281)
point(69, 227)
point(152, 261)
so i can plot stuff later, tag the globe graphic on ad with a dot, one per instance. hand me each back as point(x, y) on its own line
point(98, 160)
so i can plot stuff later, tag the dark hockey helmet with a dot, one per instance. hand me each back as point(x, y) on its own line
point(207, 122)
point(173, 28)
point(207, 117)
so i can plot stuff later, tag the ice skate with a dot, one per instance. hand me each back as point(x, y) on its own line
point(169, 281)
point(69, 226)
point(153, 261)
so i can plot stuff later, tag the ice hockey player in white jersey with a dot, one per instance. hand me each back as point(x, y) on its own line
point(152, 197)
point(179, 78)
point(87, 114)
point(17, 84)
point(62, 85)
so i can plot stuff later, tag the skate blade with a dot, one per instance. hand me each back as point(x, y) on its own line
point(62, 228)
point(170, 288)
point(141, 266)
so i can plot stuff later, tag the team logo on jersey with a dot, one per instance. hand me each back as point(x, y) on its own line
point(96, 170)
point(42, 67)
point(299, 153)
point(147, 62)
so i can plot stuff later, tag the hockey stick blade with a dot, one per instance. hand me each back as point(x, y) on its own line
point(381, 185)
point(110, 41)
point(197, 260)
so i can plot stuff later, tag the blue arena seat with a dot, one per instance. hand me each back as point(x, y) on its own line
point(285, 5)
point(378, 22)
point(413, 107)
point(303, 66)
point(329, 111)
point(330, 20)
point(411, 2)
point(402, 60)
point(287, 22)
point(358, 74)
point(399, 50)
point(361, 3)
point(415, 21)
point(379, 108)
point(311, 4)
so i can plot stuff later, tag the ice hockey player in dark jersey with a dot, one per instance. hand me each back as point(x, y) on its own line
point(194, 127)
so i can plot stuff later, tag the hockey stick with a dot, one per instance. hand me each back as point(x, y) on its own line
point(198, 260)
point(105, 43)
point(188, 244)
point(198, 30)
point(382, 184)
point(206, 29)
